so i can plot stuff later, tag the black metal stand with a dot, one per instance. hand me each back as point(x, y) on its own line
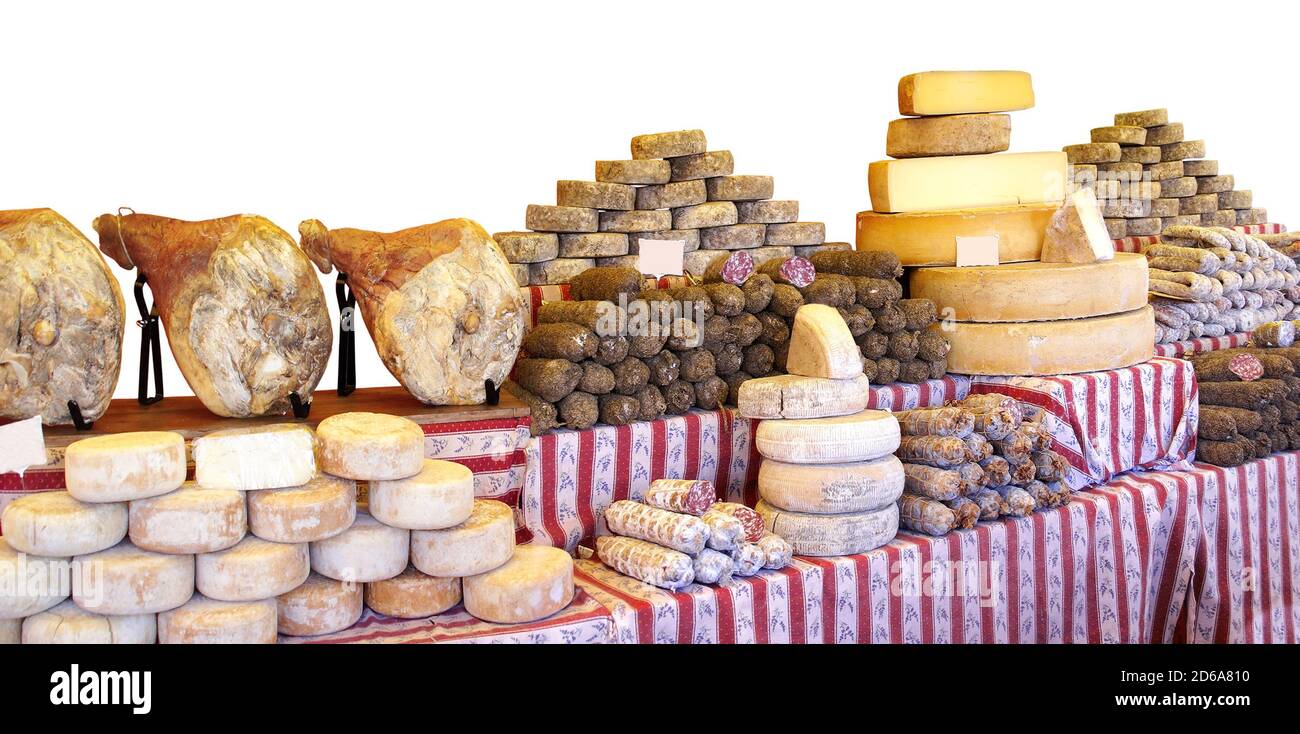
point(300, 409)
point(77, 420)
point(347, 381)
point(492, 391)
point(150, 345)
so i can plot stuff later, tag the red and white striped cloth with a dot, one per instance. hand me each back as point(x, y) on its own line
point(1203, 344)
point(1135, 244)
point(1115, 565)
point(584, 621)
point(1109, 422)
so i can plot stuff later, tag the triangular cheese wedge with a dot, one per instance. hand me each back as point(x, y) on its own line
point(821, 345)
point(1077, 233)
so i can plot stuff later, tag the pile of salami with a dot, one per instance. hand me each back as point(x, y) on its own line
point(679, 534)
point(976, 459)
point(1249, 398)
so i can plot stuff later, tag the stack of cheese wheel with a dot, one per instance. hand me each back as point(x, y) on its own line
point(829, 483)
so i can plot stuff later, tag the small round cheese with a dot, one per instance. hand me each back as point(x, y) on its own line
point(440, 496)
point(69, 624)
point(125, 466)
point(319, 509)
point(204, 621)
point(57, 524)
point(256, 457)
point(128, 580)
point(11, 631)
point(252, 569)
point(370, 446)
point(320, 606)
point(413, 595)
point(481, 543)
point(30, 584)
point(536, 583)
point(367, 551)
point(189, 520)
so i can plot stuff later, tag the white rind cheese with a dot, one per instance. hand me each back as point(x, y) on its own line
point(821, 345)
point(483, 542)
point(260, 457)
point(534, 584)
point(831, 535)
point(189, 520)
point(68, 624)
point(125, 466)
point(792, 396)
point(370, 446)
point(320, 509)
point(1052, 347)
point(319, 606)
point(862, 436)
point(57, 524)
point(129, 580)
point(829, 489)
point(413, 595)
point(50, 582)
point(252, 569)
point(367, 551)
point(204, 621)
point(440, 496)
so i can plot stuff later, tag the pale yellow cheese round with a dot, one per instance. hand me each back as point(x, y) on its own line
point(534, 584)
point(370, 446)
point(11, 631)
point(413, 595)
point(319, 509)
point(929, 238)
point(440, 496)
point(1051, 347)
point(481, 543)
point(320, 606)
point(829, 489)
point(189, 520)
point(1034, 291)
point(252, 569)
point(128, 580)
point(204, 621)
point(31, 584)
point(863, 436)
point(256, 457)
point(57, 524)
point(69, 624)
point(367, 551)
point(125, 466)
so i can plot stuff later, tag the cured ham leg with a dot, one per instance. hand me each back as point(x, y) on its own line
point(245, 316)
point(440, 301)
point(61, 316)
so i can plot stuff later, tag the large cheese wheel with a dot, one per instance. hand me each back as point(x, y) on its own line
point(967, 181)
point(125, 466)
point(370, 446)
point(320, 606)
point(440, 496)
point(11, 631)
point(828, 489)
point(413, 595)
point(481, 543)
point(832, 535)
point(367, 551)
point(534, 584)
point(189, 520)
point(257, 457)
point(57, 524)
point(69, 624)
point(204, 621)
point(319, 509)
point(129, 580)
point(1035, 291)
point(1052, 347)
point(252, 569)
point(50, 584)
point(863, 436)
point(792, 396)
point(930, 238)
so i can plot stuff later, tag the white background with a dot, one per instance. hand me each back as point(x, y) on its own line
point(388, 115)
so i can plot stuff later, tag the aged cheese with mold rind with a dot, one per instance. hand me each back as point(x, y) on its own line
point(644, 171)
point(319, 606)
point(69, 624)
point(546, 218)
point(189, 520)
point(863, 436)
point(321, 508)
point(1093, 152)
point(669, 144)
point(413, 595)
point(22, 600)
point(257, 457)
point(831, 535)
point(367, 551)
point(1052, 347)
point(534, 584)
point(130, 580)
point(125, 466)
point(481, 543)
point(772, 211)
point(370, 446)
point(57, 524)
point(1121, 134)
point(964, 92)
point(251, 569)
point(558, 271)
point(919, 137)
point(440, 496)
point(821, 345)
point(930, 238)
point(829, 489)
point(967, 182)
point(792, 396)
point(203, 621)
point(595, 195)
point(1143, 118)
point(528, 247)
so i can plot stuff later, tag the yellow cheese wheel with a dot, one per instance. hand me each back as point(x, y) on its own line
point(252, 569)
point(69, 624)
point(1051, 347)
point(129, 580)
point(481, 543)
point(534, 584)
point(1034, 291)
point(320, 606)
point(413, 595)
point(440, 496)
point(204, 621)
point(930, 238)
point(370, 446)
point(125, 466)
point(967, 181)
point(189, 520)
point(57, 524)
point(319, 509)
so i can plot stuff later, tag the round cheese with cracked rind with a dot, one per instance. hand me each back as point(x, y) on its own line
point(252, 569)
point(204, 621)
point(832, 535)
point(47, 582)
point(319, 509)
point(319, 606)
point(534, 584)
point(57, 524)
point(1051, 347)
point(481, 543)
point(255, 457)
point(189, 520)
point(69, 624)
point(829, 489)
point(125, 466)
point(440, 496)
point(367, 551)
point(413, 595)
point(370, 446)
point(863, 436)
point(128, 580)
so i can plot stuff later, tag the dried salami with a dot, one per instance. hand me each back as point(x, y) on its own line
point(777, 551)
point(941, 451)
point(925, 515)
point(752, 521)
point(725, 530)
point(928, 481)
point(687, 496)
point(734, 268)
point(936, 422)
point(685, 533)
point(645, 561)
point(712, 566)
point(747, 559)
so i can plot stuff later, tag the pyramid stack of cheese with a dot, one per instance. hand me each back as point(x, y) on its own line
point(673, 188)
point(828, 481)
point(679, 534)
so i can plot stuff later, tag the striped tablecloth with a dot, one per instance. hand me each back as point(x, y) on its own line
point(1203, 344)
point(1135, 244)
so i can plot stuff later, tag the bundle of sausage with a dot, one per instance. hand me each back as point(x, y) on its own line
point(1249, 399)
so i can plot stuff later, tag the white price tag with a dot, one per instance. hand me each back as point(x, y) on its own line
point(661, 257)
point(22, 444)
point(973, 251)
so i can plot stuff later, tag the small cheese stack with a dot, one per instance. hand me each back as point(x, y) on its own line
point(260, 457)
point(483, 542)
point(130, 580)
point(534, 584)
point(370, 446)
point(125, 466)
point(68, 624)
point(189, 520)
point(21, 600)
point(413, 595)
point(204, 621)
point(367, 551)
point(440, 496)
point(825, 366)
point(253, 569)
point(322, 508)
point(319, 606)
point(57, 524)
